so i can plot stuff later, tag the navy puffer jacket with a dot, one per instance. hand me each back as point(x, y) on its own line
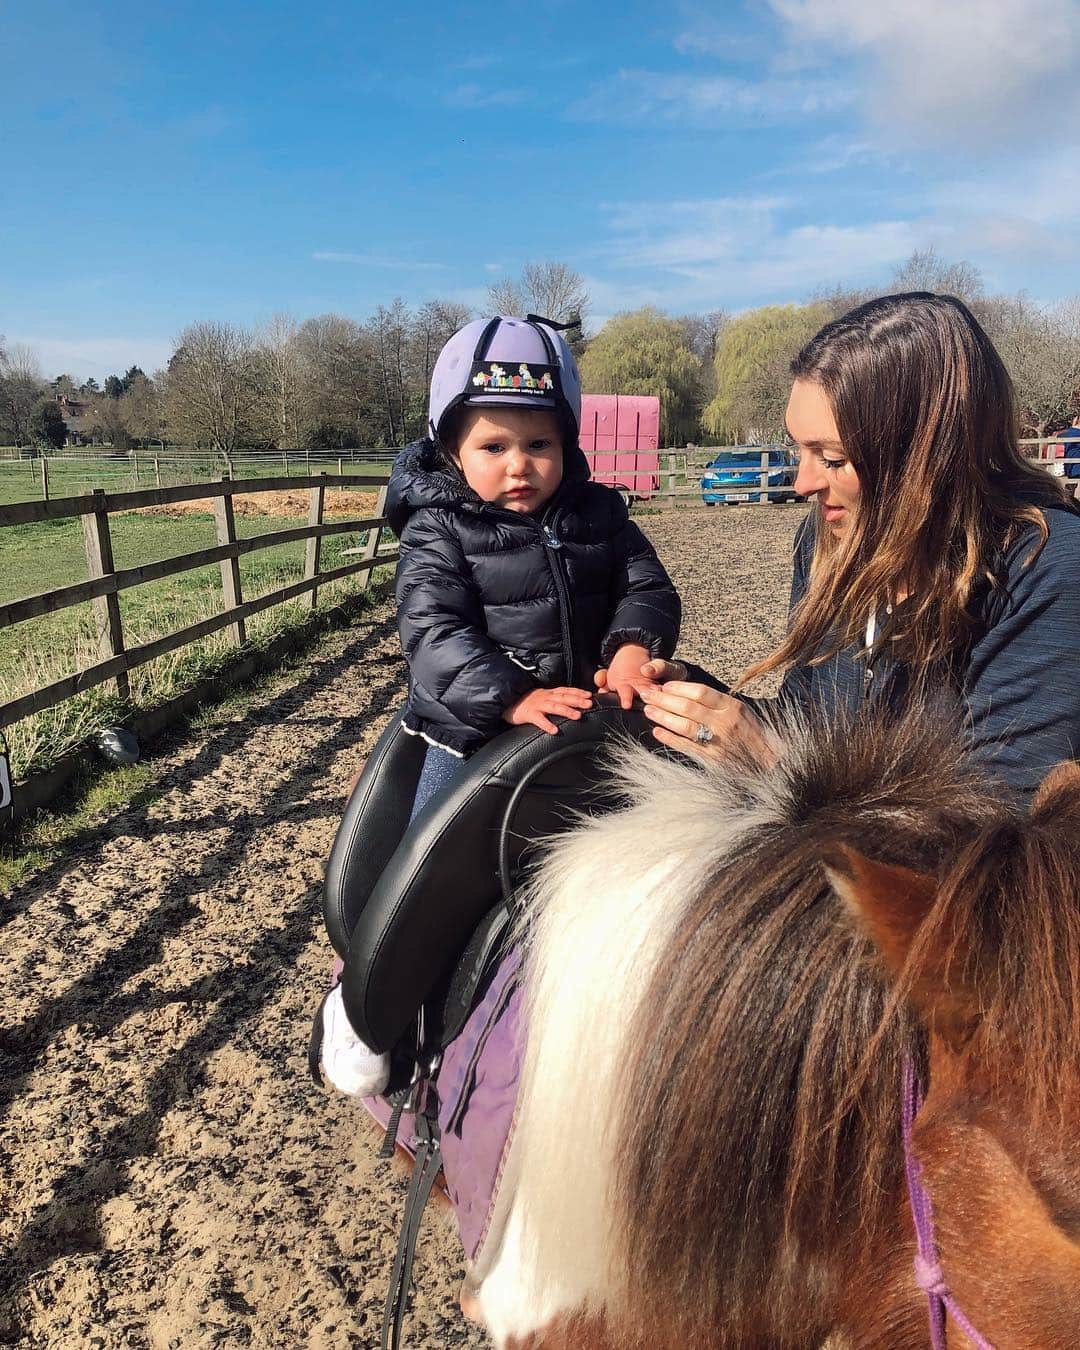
point(493, 603)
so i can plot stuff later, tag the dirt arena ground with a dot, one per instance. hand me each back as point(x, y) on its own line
point(169, 1176)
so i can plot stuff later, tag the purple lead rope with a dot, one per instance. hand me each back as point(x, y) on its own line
point(929, 1275)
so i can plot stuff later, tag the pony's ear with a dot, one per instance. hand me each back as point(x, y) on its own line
point(888, 902)
point(1058, 794)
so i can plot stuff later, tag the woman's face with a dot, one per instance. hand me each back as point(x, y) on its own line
point(825, 473)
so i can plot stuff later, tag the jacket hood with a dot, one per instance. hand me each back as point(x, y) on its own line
point(423, 477)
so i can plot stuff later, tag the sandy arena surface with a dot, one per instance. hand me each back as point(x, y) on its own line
point(169, 1176)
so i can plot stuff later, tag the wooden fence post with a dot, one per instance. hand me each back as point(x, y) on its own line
point(225, 523)
point(671, 470)
point(315, 517)
point(765, 477)
point(157, 471)
point(371, 548)
point(99, 563)
point(45, 479)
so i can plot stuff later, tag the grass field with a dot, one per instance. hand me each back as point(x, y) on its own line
point(20, 480)
point(41, 557)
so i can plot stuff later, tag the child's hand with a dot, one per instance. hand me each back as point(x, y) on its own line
point(532, 709)
point(624, 675)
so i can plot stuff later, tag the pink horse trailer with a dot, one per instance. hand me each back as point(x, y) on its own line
point(620, 435)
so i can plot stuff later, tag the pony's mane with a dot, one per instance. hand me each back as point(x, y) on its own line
point(717, 1083)
point(789, 1049)
point(1003, 937)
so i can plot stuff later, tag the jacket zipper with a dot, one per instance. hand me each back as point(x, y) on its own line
point(552, 548)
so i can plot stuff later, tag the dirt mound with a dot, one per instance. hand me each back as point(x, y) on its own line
point(295, 503)
point(170, 1177)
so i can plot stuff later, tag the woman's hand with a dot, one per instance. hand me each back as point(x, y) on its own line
point(701, 721)
point(532, 709)
point(654, 671)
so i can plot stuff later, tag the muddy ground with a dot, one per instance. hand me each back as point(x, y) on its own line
point(169, 1177)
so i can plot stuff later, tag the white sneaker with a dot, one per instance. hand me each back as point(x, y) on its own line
point(346, 1061)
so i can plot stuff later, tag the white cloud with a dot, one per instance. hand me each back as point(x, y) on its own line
point(733, 251)
point(478, 96)
point(709, 35)
point(961, 71)
point(493, 267)
point(646, 96)
point(97, 356)
point(376, 260)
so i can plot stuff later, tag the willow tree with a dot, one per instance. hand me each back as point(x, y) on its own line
point(645, 352)
point(753, 357)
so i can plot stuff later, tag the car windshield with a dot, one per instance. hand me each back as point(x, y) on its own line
point(747, 459)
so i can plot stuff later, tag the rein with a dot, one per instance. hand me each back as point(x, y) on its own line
point(929, 1275)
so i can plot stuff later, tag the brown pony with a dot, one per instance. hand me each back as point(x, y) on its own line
point(724, 980)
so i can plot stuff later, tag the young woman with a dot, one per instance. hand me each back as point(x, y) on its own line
point(935, 557)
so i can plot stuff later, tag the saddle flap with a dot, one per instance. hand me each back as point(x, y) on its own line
point(443, 878)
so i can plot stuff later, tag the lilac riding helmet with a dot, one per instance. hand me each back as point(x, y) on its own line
point(522, 362)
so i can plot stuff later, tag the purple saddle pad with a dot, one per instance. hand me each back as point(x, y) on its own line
point(477, 1086)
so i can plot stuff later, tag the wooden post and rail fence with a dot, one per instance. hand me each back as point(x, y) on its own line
point(676, 477)
point(675, 472)
point(105, 581)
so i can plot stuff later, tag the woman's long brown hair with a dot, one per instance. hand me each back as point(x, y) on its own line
point(924, 407)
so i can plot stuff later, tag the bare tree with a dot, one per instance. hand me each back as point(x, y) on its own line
point(20, 388)
point(703, 332)
point(391, 330)
point(551, 289)
point(141, 409)
point(278, 362)
point(505, 297)
point(926, 271)
point(212, 386)
point(435, 322)
point(338, 384)
point(839, 300)
point(1041, 348)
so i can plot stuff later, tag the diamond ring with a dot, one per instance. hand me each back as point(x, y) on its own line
point(704, 734)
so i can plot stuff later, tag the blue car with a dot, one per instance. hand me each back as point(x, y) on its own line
point(735, 475)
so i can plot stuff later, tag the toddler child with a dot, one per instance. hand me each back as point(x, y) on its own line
point(518, 576)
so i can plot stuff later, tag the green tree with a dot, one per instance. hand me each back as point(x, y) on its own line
point(47, 425)
point(645, 352)
point(753, 379)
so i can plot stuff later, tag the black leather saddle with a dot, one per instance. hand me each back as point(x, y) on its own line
point(419, 912)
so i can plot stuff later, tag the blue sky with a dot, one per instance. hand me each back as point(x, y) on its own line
point(163, 164)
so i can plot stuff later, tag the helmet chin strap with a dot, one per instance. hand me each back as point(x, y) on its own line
point(558, 327)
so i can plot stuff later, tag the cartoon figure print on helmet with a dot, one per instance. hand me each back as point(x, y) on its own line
point(522, 362)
